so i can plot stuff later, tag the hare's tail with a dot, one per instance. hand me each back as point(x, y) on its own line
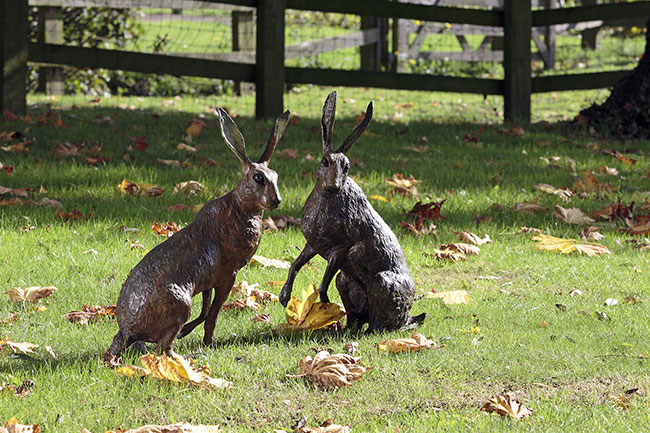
point(414, 321)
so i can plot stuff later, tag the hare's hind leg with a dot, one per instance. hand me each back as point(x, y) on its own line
point(173, 307)
point(390, 299)
point(355, 301)
point(221, 291)
point(205, 308)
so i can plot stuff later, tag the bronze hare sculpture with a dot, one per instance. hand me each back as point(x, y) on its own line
point(340, 225)
point(156, 298)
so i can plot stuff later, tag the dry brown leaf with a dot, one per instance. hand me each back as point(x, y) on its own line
point(181, 427)
point(75, 214)
point(31, 294)
point(50, 202)
point(616, 211)
point(195, 129)
point(189, 188)
point(169, 162)
point(588, 184)
point(532, 230)
point(466, 249)
point(638, 230)
point(18, 390)
point(166, 229)
point(253, 291)
point(566, 246)
point(309, 314)
point(472, 238)
point(23, 347)
point(591, 234)
point(288, 153)
point(241, 304)
point(141, 190)
point(332, 371)
point(419, 228)
point(327, 427)
point(449, 255)
point(572, 215)
point(274, 263)
point(528, 208)
point(403, 185)
point(279, 222)
point(12, 426)
point(266, 318)
point(504, 405)
point(413, 344)
point(89, 313)
point(427, 211)
point(174, 369)
point(351, 347)
point(564, 193)
point(610, 171)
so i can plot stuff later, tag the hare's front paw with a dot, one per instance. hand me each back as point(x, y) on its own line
point(285, 295)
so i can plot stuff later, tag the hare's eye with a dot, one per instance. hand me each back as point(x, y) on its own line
point(257, 177)
point(325, 162)
point(346, 167)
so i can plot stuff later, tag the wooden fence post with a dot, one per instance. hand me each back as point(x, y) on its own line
point(269, 59)
point(50, 31)
point(243, 39)
point(517, 83)
point(13, 55)
point(370, 54)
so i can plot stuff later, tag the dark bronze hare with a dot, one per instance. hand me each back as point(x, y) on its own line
point(340, 225)
point(156, 298)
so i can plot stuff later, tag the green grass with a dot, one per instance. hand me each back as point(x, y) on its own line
point(565, 371)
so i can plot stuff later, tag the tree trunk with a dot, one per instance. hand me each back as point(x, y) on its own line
point(626, 112)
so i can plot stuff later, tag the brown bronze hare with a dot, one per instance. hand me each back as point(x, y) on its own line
point(156, 298)
point(340, 225)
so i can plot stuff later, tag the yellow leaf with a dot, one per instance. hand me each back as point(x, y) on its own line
point(451, 297)
point(473, 238)
point(378, 198)
point(449, 255)
point(505, 406)
point(132, 371)
point(309, 314)
point(24, 347)
point(194, 130)
point(563, 193)
point(463, 248)
point(274, 263)
point(413, 344)
point(566, 246)
point(31, 294)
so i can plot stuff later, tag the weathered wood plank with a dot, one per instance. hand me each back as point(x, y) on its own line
point(13, 55)
point(463, 56)
point(594, 80)
point(516, 61)
point(243, 39)
point(50, 31)
point(369, 55)
point(392, 80)
point(324, 45)
point(614, 11)
point(269, 59)
point(81, 57)
point(384, 8)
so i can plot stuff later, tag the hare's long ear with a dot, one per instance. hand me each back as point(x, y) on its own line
point(278, 129)
point(233, 137)
point(327, 122)
point(352, 138)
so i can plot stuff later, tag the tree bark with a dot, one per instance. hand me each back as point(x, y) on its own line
point(626, 112)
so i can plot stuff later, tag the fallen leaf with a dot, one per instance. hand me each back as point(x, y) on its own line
point(279, 222)
point(515, 131)
point(466, 249)
point(615, 211)
point(31, 294)
point(427, 211)
point(17, 390)
point(413, 344)
point(89, 313)
point(23, 347)
point(169, 162)
point(166, 229)
point(195, 129)
point(12, 426)
point(266, 318)
point(309, 314)
point(181, 427)
point(472, 238)
point(403, 185)
point(449, 255)
point(19, 147)
point(75, 214)
point(351, 347)
point(528, 208)
point(591, 234)
point(419, 228)
point(327, 427)
point(274, 263)
point(241, 304)
point(588, 184)
point(504, 405)
point(572, 215)
point(332, 371)
point(566, 246)
point(621, 401)
point(451, 297)
point(378, 198)
point(50, 202)
point(186, 148)
point(288, 153)
point(638, 230)
point(564, 193)
point(19, 192)
point(532, 230)
point(253, 291)
point(142, 190)
point(189, 188)
point(610, 171)
point(618, 155)
point(174, 369)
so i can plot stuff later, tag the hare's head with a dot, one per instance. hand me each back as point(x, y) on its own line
point(258, 188)
point(333, 169)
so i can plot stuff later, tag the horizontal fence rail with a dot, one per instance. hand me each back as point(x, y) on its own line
point(514, 20)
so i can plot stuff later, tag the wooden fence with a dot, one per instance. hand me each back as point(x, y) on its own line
point(516, 21)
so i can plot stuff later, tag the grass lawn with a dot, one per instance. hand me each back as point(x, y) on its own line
point(566, 363)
